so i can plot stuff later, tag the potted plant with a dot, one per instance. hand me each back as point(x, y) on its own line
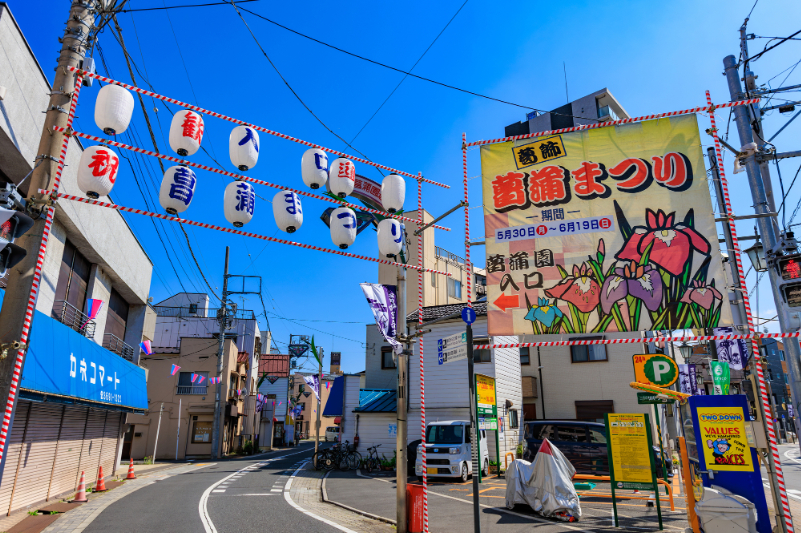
point(494, 466)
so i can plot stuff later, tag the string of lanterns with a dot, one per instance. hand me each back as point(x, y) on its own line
point(99, 165)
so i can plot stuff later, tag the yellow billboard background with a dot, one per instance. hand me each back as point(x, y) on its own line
point(602, 230)
point(724, 439)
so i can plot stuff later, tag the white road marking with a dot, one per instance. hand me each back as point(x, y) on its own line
point(794, 459)
point(276, 490)
point(218, 490)
point(789, 493)
point(208, 525)
point(254, 494)
point(288, 498)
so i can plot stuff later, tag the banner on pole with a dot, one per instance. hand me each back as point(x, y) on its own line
point(734, 352)
point(602, 230)
point(383, 302)
point(313, 381)
point(720, 377)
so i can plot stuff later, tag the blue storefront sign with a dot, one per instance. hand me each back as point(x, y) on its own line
point(63, 362)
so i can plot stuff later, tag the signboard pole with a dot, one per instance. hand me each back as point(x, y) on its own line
point(653, 470)
point(611, 468)
point(661, 449)
point(471, 380)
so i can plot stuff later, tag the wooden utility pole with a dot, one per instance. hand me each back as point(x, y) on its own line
point(25, 278)
point(222, 317)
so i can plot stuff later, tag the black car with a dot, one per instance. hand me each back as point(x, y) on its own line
point(583, 443)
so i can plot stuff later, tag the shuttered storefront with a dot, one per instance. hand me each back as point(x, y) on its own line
point(50, 445)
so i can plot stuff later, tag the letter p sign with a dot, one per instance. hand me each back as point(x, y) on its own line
point(655, 369)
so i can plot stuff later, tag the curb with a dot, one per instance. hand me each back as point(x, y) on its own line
point(349, 508)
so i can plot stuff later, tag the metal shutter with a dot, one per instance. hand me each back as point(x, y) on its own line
point(92, 442)
point(36, 460)
point(65, 474)
point(111, 438)
point(13, 450)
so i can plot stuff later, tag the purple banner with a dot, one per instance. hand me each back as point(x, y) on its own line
point(383, 302)
point(734, 352)
point(314, 383)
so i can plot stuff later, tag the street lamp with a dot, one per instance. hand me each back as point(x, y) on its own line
point(686, 350)
point(757, 256)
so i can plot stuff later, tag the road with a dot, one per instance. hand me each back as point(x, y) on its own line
point(243, 495)
point(791, 468)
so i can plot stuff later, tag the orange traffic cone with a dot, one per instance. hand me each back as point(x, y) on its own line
point(100, 486)
point(131, 474)
point(80, 497)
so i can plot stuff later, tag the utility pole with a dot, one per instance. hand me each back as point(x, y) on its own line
point(25, 277)
point(319, 407)
point(401, 442)
point(158, 429)
point(471, 378)
point(222, 317)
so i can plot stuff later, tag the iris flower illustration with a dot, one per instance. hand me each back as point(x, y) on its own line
point(703, 295)
point(544, 312)
point(581, 289)
point(672, 243)
point(639, 281)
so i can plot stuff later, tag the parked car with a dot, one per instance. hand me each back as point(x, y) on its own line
point(583, 443)
point(411, 456)
point(448, 450)
point(331, 433)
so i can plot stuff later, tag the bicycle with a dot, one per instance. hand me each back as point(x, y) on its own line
point(372, 462)
point(354, 458)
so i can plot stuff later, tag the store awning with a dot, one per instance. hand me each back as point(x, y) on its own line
point(338, 420)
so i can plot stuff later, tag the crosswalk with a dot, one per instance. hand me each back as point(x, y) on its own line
point(277, 487)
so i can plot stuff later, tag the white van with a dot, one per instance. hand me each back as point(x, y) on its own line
point(331, 433)
point(448, 451)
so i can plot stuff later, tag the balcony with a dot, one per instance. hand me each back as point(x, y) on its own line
point(192, 389)
point(73, 318)
point(114, 344)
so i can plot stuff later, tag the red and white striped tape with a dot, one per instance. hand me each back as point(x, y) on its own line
point(468, 266)
point(235, 176)
point(763, 393)
point(37, 278)
point(420, 264)
point(704, 109)
point(243, 123)
point(236, 232)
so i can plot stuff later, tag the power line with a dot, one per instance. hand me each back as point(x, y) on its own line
point(410, 70)
point(178, 7)
point(423, 78)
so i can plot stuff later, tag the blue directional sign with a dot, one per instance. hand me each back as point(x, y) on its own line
point(468, 315)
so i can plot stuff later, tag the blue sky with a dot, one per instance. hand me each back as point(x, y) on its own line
point(654, 57)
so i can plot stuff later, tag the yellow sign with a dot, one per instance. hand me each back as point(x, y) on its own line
point(631, 458)
point(655, 369)
point(724, 440)
point(539, 151)
point(608, 230)
point(485, 394)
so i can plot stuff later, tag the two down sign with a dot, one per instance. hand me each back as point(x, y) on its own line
point(655, 369)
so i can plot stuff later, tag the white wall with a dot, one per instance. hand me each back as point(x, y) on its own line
point(170, 329)
point(185, 299)
point(279, 388)
point(376, 377)
point(350, 402)
point(373, 430)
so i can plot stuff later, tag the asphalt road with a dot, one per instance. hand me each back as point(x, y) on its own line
point(791, 468)
point(252, 501)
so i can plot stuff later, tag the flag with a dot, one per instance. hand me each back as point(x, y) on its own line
point(720, 377)
point(175, 369)
point(92, 309)
point(145, 345)
point(687, 380)
point(313, 382)
point(201, 379)
point(734, 352)
point(194, 377)
point(383, 302)
point(327, 383)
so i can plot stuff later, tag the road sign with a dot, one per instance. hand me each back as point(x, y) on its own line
point(645, 398)
point(468, 315)
point(655, 369)
point(452, 348)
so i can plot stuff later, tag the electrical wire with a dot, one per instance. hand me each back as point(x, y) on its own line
point(789, 188)
point(178, 7)
point(423, 78)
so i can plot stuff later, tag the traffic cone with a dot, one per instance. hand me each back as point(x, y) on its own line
point(80, 496)
point(100, 486)
point(131, 474)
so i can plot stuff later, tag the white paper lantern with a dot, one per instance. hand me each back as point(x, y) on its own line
point(314, 167)
point(239, 201)
point(243, 146)
point(342, 177)
point(287, 211)
point(113, 109)
point(390, 237)
point(186, 132)
point(343, 227)
point(393, 193)
point(177, 189)
point(97, 171)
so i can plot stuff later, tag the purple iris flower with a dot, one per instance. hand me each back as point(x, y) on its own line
point(640, 281)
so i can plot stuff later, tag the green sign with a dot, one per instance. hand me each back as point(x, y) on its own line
point(720, 377)
point(633, 486)
point(649, 398)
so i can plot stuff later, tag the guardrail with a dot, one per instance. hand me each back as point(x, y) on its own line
point(586, 477)
point(73, 318)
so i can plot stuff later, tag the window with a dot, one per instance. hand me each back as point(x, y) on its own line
point(594, 411)
point(597, 436)
point(192, 309)
point(781, 355)
point(445, 434)
point(585, 354)
point(185, 385)
point(201, 432)
point(433, 279)
point(387, 357)
point(482, 356)
point(73, 280)
point(525, 358)
point(535, 430)
point(454, 288)
point(786, 379)
point(770, 373)
point(571, 434)
point(513, 419)
point(117, 315)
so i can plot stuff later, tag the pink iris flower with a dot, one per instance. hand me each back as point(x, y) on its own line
point(581, 289)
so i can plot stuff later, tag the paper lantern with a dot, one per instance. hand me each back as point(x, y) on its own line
point(393, 193)
point(177, 189)
point(390, 237)
point(113, 109)
point(97, 171)
point(343, 227)
point(314, 168)
point(342, 177)
point(287, 211)
point(239, 201)
point(243, 146)
point(186, 132)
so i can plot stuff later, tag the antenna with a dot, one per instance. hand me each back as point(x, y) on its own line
point(564, 68)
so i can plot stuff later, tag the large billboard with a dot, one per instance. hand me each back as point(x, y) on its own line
point(602, 230)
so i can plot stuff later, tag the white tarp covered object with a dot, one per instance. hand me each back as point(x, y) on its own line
point(545, 485)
